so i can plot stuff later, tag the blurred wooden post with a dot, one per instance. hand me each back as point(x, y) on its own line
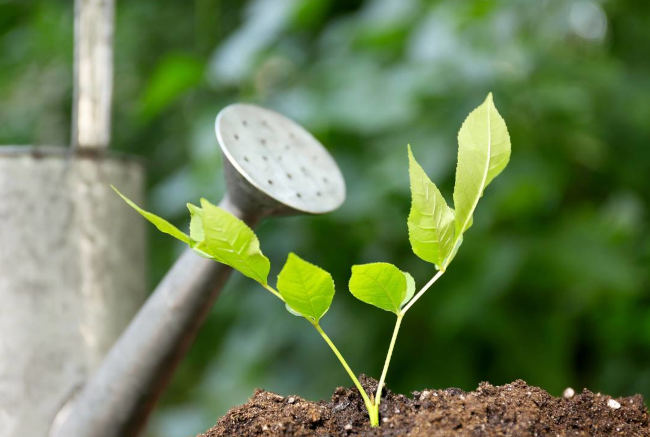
point(72, 256)
point(93, 72)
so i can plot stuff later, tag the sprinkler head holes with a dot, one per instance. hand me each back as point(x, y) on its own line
point(274, 164)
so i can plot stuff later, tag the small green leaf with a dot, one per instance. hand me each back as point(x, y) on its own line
point(380, 284)
point(483, 152)
point(160, 223)
point(196, 229)
point(230, 241)
point(196, 223)
point(306, 288)
point(430, 221)
point(410, 288)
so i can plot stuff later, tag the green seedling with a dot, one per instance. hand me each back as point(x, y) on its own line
point(435, 232)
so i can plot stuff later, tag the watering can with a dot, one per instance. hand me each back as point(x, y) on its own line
point(68, 294)
point(272, 167)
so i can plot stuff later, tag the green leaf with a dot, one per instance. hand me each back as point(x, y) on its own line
point(291, 311)
point(196, 223)
point(430, 221)
point(483, 152)
point(380, 284)
point(160, 223)
point(230, 241)
point(410, 288)
point(219, 235)
point(306, 288)
point(197, 234)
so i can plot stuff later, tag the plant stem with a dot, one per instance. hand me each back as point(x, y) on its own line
point(421, 292)
point(372, 409)
point(393, 339)
point(389, 355)
point(274, 291)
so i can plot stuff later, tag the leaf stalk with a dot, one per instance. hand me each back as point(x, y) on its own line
point(422, 291)
point(273, 291)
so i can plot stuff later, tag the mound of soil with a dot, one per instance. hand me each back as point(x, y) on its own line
point(515, 409)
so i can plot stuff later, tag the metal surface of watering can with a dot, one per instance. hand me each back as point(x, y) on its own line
point(72, 275)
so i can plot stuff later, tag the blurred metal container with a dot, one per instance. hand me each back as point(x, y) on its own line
point(72, 275)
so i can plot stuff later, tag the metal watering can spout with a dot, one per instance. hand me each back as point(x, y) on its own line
point(272, 167)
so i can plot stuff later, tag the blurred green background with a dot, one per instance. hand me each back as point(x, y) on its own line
point(552, 282)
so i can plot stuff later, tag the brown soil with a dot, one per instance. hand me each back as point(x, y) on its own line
point(515, 409)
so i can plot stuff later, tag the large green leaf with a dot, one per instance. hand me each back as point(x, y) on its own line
point(306, 288)
point(430, 221)
point(380, 284)
point(160, 223)
point(483, 152)
point(230, 241)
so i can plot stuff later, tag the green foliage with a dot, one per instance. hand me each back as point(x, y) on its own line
point(380, 284)
point(196, 224)
point(436, 230)
point(174, 75)
point(230, 241)
point(410, 288)
point(430, 221)
point(483, 152)
point(306, 288)
point(219, 235)
point(160, 223)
